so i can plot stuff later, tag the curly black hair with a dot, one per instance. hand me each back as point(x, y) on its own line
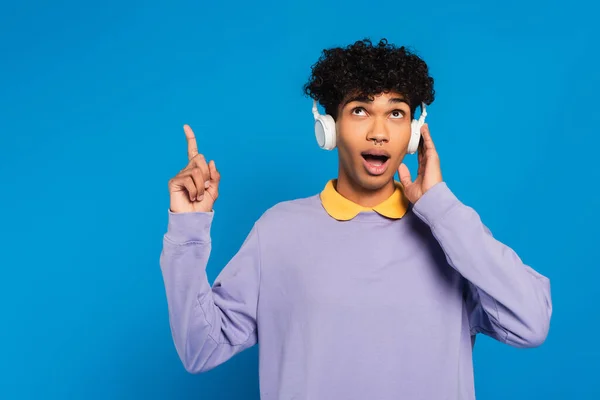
point(366, 69)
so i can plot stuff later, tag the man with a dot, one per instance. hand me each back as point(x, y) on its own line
point(371, 289)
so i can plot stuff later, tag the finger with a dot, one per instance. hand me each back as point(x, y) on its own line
point(185, 182)
point(427, 141)
point(422, 157)
point(215, 176)
point(191, 141)
point(199, 180)
point(212, 187)
point(404, 175)
point(200, 162)
point(421, 168)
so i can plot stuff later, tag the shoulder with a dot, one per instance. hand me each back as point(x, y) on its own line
point(288, 218)
point(291, 211)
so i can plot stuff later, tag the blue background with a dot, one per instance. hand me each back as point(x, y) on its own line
point(92, 102)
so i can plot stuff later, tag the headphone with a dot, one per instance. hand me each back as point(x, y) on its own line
point(325, 129)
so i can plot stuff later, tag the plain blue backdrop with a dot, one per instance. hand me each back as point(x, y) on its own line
point(93, 97)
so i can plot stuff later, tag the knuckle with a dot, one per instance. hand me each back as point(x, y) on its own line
point(197, 171)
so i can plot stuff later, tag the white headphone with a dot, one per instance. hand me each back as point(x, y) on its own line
point(325, 129)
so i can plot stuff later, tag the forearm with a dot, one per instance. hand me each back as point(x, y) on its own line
point(514, 297)
point(209, 325)
point(183, 260)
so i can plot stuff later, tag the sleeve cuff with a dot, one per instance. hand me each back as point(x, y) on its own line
point(188, 227)
point(435, 204)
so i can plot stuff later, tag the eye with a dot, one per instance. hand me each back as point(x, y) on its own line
point(396, 114)
point(357, 110)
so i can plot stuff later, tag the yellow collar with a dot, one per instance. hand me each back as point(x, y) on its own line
point(343, 209)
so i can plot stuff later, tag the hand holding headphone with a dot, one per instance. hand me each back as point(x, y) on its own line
point(325, 129)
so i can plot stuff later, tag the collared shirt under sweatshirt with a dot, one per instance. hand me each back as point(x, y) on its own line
point(350, 303)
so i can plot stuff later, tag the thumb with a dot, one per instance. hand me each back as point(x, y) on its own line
point(215, 176)
point(212, 187)
point(404, 175)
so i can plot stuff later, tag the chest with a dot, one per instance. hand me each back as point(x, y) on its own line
point(356, 271)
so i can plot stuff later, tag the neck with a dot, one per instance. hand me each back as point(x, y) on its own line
point(362, 196)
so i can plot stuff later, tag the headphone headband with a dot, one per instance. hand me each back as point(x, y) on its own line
point(423, 113)
point(314, 109)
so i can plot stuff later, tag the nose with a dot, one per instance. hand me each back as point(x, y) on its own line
point(378, 134)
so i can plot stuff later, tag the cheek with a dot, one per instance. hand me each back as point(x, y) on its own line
point(349, 141)
point(346, 151)
point(402, 137)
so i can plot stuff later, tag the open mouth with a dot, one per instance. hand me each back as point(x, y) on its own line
point(375, 161)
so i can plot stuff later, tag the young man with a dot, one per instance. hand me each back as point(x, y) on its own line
point(371, 289)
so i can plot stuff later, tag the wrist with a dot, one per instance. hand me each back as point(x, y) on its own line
point(189, 226)
point(435, 203)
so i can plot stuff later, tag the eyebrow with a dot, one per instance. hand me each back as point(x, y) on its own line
point(365, 99)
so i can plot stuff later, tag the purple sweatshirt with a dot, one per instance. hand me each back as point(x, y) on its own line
point(371, 308)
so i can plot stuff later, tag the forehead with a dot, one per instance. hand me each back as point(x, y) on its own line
point(384, 98)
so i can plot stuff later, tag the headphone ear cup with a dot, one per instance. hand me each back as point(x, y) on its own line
point(325, 132)
point(415, 136)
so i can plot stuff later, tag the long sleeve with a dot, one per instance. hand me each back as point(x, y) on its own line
point(506, 299)
point(209, 325)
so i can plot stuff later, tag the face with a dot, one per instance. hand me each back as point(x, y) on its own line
point(372, 139)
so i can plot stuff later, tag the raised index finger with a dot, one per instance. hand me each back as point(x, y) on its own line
point(191, 140)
